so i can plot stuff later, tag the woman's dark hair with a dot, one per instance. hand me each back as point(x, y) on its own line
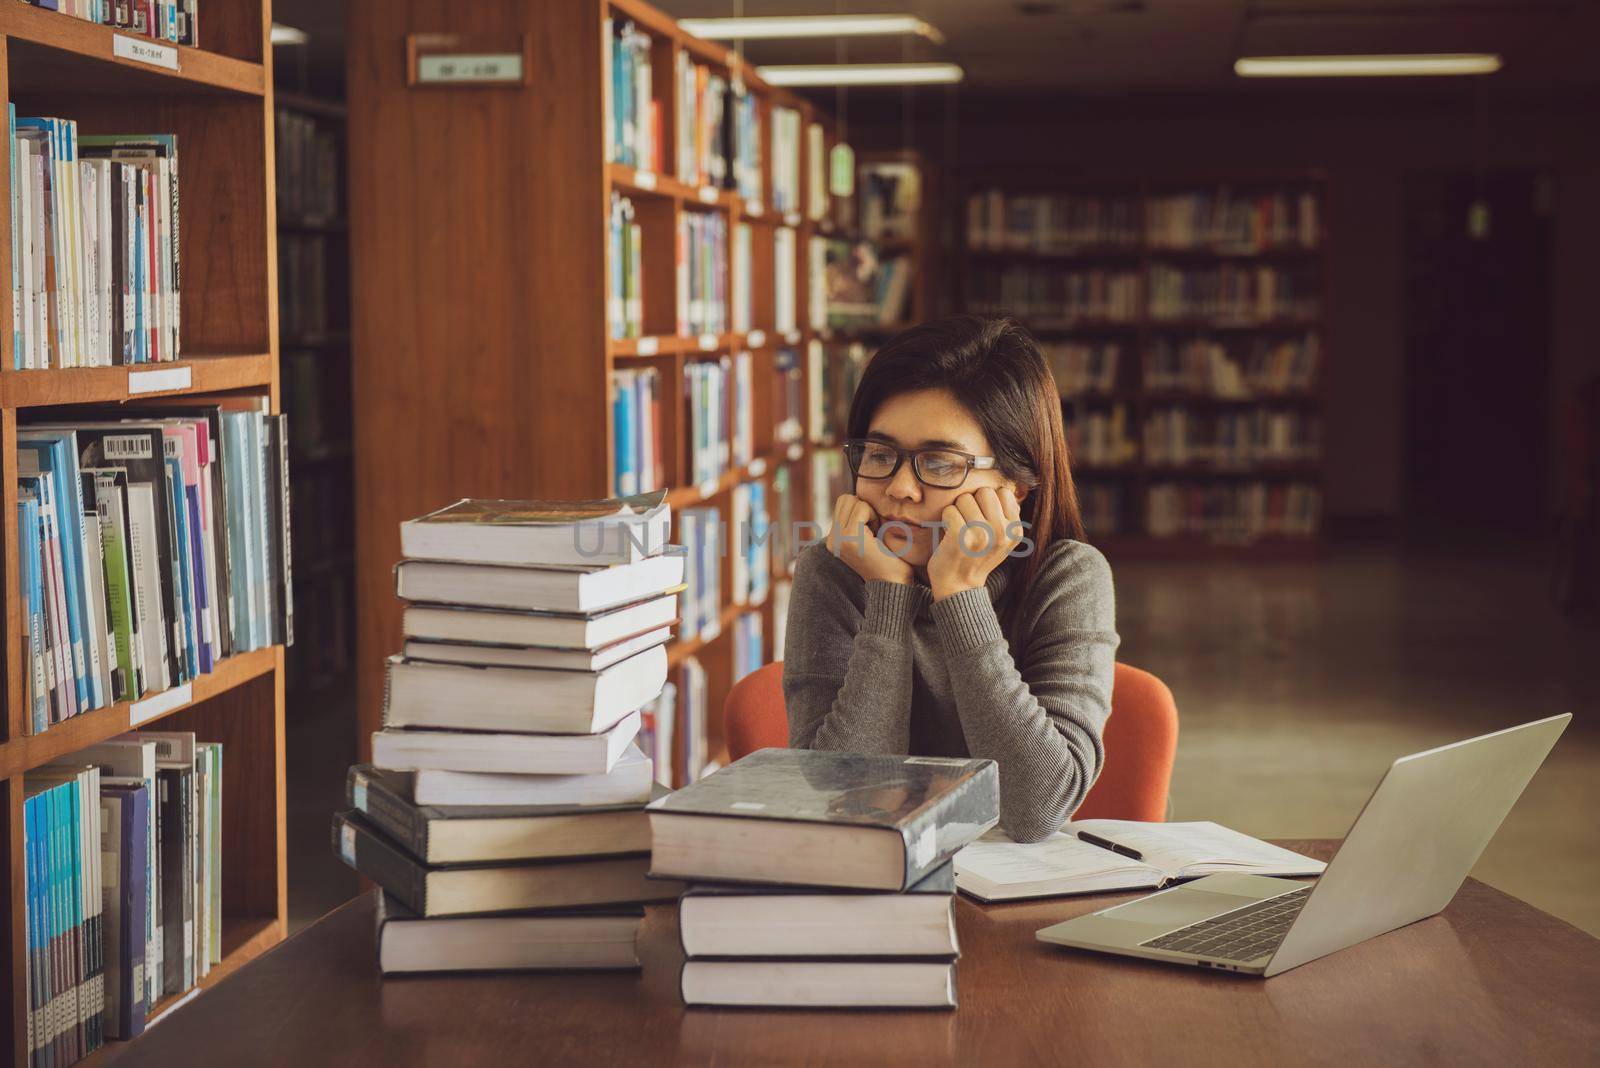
point(995, 368)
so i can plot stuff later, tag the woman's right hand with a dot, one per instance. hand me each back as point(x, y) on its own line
point(851, 540)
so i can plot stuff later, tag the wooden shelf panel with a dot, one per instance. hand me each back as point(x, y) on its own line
point(101, 385)
point(30, 751)
point(49, 51)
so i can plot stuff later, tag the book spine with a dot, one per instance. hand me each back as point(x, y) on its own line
point(384, 864)
point(284, 557)
point(390, 813)
point(135, 904)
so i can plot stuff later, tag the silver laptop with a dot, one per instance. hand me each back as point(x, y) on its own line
point(1405, 857)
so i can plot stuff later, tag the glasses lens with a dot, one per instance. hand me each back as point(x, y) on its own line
point(870, 459)
point(946, 470)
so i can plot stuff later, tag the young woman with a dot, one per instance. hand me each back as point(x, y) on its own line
point(953, 610)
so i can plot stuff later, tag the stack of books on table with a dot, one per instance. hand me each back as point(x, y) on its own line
point(822, 879)
point(503, 812)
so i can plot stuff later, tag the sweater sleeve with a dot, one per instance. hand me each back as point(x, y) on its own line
point(1038, 714)
point(847, 658)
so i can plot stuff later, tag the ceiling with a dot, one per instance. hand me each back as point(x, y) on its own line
point(1183, 45)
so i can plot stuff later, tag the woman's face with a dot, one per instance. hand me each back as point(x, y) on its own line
point(929, 419)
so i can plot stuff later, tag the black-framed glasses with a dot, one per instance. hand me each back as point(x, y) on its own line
point(938, 468)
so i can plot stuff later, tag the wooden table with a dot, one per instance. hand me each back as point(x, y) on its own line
point(1490, 980)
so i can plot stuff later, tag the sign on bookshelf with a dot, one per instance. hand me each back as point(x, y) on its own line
point(467, 60)
point(168, 378)
point(144, 51)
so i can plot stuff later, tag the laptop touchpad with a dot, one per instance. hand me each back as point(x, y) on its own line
point(1177, 908)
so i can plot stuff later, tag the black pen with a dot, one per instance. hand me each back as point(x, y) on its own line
point(1095, 839)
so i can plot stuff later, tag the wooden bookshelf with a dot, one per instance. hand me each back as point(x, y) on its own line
point(1141, 330)
point(482, 356)
point(219, 102)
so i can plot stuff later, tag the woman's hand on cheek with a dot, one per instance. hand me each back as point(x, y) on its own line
point(980, 529)
point(851, 540)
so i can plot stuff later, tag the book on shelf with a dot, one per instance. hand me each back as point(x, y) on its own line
point(780, 617)
point(474, 697)
point(1234, 293)
point(731, 920)
point(555, 941)
point(702, 273)
point(625, 270)
point(122, 886)
point(1056, 296)
point(818, 307)
point(1052, 222)
point(890, 199)
point(888, 984)
point(95, 228)
point(658, 721)
point(632, 118)
point(614, 530)
point(626, 782)
point(536, 656)
point(1234, 510)
point(816, 172)
point(721, 406)
point(704, 114)
point(741, 291)
point(305, 315)
point(449, 890)
point(1230, 221)
point(747, 644)
point(149, 551)
point(785, 160)
point(1093, 856)
point(583, 588)
point(700, 531)
point(480, 834)
point(751, 533)
point(1080, 367)
point(177, 21)
point(860, 286)
point(307, 167)
point(785, 273)
point(1257, 368)
point(824, 819)
point(693, 694)
point(789, 418)
point(636, 425)
point(523, 754)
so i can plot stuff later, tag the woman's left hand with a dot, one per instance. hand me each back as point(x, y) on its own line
point(980, 529)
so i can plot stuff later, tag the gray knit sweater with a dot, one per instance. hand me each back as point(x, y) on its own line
point(880, 667)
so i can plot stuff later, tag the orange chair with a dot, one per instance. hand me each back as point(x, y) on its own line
point(1141, 738)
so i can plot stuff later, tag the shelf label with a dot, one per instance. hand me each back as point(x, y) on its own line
point(347, 843)
point(758, 467)
point(649, 346)
point(159, 705)
point(708, 342)
point(792, 337)
point(482, 59)
point(791, 218)
point(141, 50)
point(708, 194)
point(796, 450)
point(756, 338)
point(502, 69)
point(161, 381)
point(644, 179)
point(708, 488)
point(754, 208)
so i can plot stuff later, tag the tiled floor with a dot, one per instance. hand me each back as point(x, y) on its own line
point(1297, 684)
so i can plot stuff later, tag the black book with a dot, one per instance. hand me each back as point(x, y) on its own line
point(173, 787)
point(770, 922)
point(460, 834)
point(282, 548)
point(574, 939)
point(455, 890)
point(853, 820)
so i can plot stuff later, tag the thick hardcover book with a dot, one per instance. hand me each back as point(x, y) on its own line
point(540, 589)
point(722, 920)
point(402, 749)
point(584, 939)
point(455, 834)
point(564, 630)
point(173, 787)
point(610, 531)
point(818, 984)
point(824, 819)
point(461, 889)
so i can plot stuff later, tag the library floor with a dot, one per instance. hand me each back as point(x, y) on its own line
point(1297, 684)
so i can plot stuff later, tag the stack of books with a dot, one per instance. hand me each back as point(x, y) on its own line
point(503, 812)
point(822, 879)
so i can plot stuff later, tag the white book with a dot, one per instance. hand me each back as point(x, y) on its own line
point(1089, 856)
point(522, 754)
point(454, 623)
point(536, 656)
point(523, 700)
point(547, 589)
point(409, 943)
point(524, 533)
point(819, 984)
point(628, 782)
point(147, 585)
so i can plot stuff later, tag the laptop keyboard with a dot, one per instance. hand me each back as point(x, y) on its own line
point(1243, 934)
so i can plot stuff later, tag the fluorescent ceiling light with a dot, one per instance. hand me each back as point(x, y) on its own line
point(1366, 66)
point(832, 74)
point(287, 35)
point(790, 26)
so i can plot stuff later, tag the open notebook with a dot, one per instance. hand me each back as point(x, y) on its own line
point(1089, 856)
